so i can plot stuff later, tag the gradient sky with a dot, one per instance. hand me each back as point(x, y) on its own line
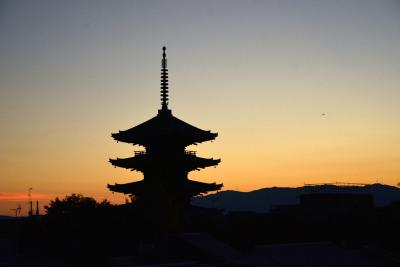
point(260, 73)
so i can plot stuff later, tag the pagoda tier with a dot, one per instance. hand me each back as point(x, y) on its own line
point(164, 127)
point(141, 188)
point(187, 162)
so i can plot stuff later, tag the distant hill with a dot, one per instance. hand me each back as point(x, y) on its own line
point(263, 200)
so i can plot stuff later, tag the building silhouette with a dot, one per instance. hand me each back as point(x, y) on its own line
point(165, 163)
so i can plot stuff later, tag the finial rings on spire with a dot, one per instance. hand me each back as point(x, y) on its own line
point(164, 81)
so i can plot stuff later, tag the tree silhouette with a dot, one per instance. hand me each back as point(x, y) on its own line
point(75, 203)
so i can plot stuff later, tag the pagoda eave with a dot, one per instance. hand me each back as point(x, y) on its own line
point(196, 188)
point(151, 139)
point(192, 188)
point(201, 163)
point(166, 126)
point(135, 188)
point(188, 162)
point(129, 163)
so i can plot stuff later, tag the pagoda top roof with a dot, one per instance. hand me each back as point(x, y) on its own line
point(166, 128)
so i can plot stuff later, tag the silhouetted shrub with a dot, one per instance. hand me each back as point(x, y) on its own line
point(75, 203)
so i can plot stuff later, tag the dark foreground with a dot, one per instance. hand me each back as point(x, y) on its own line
point(124, 236)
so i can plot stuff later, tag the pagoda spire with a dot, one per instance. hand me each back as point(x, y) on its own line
point(164, 81)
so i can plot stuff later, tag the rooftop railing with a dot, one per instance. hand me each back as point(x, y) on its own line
point(334, 188)
point(189, 152)
point(138, 153)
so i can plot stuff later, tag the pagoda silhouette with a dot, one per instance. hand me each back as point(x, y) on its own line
point(165, 163)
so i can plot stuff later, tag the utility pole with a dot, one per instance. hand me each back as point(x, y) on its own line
point(37, 208)
point(30, 212)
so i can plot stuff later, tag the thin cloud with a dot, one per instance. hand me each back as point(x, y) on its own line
point(22, 196)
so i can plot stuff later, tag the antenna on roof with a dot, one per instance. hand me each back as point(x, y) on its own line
point(164, 81)
point(17, 210)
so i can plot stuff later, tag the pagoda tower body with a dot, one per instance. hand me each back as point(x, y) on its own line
point(165, 163)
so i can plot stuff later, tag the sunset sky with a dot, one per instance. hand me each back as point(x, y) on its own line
point(298, 91)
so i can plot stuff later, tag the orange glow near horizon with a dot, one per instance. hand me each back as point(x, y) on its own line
point(18, 196)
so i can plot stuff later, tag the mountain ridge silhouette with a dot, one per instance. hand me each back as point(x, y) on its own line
point(263, 199)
